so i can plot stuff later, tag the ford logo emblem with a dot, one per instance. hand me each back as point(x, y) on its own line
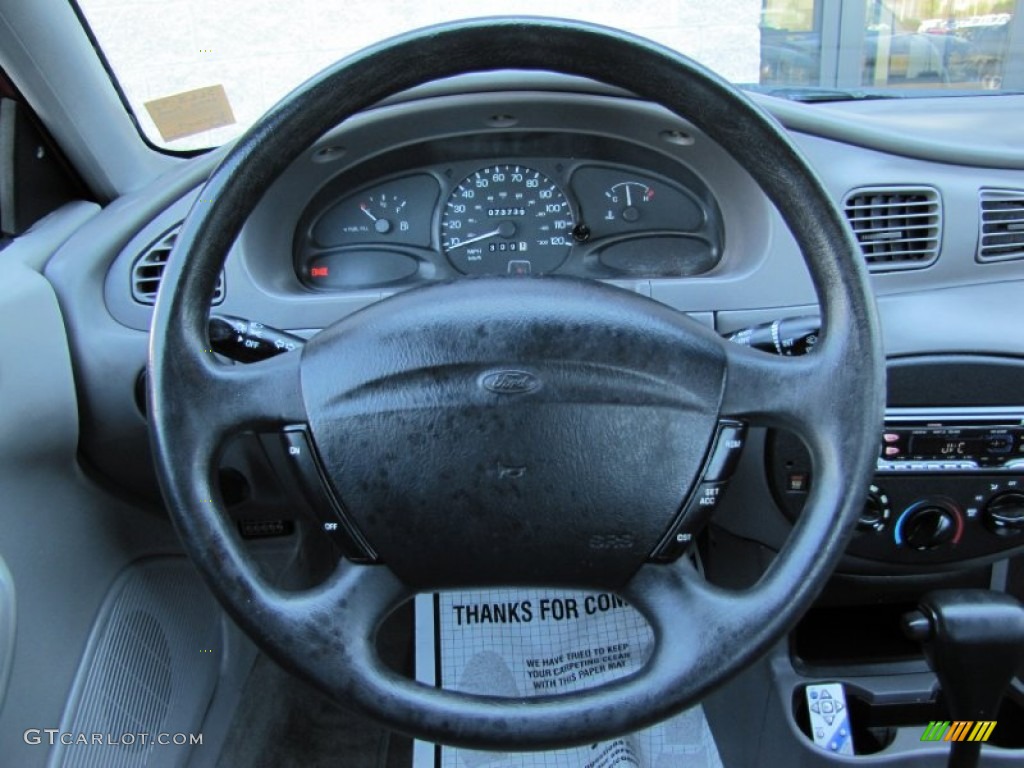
point(510, 382)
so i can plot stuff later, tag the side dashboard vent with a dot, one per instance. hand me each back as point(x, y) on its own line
point(148, 269)
point(897, 227)
point(1001, 233)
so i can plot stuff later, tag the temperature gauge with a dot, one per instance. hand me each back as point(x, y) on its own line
point(627, 200)
point(621, 202)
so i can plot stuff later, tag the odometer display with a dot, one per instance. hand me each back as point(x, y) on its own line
point(506, 219)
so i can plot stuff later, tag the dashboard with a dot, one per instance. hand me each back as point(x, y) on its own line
point(563, 177)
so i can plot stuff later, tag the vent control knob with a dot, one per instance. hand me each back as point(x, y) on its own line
point(1004, 513)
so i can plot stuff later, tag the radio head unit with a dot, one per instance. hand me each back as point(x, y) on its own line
point(961, 440)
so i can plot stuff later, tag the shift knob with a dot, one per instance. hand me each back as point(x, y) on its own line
point(973, 640)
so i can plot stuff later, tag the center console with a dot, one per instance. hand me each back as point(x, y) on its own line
point(944, 510)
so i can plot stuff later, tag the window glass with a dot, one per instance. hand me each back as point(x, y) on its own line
point(962, 45)
point(196, 73)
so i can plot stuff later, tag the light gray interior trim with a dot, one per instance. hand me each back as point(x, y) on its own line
point(151, 663)
point(73, 96)
point(973, 319)
point(921, 132)
point(8, 625)
point(920, 129)
point(34, 247)
point(64, 539)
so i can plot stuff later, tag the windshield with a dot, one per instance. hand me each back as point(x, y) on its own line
point(196, 73)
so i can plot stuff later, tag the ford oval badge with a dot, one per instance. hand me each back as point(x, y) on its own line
point(510, 382)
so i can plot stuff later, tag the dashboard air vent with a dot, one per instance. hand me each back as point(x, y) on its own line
point(1001, 235)
point(148, 269)
point(897, 227)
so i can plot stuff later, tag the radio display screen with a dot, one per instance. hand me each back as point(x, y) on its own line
point(947, 446)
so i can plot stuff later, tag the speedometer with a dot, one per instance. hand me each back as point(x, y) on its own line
point(507, 219)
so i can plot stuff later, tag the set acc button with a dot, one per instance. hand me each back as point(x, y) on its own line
point(702, 504)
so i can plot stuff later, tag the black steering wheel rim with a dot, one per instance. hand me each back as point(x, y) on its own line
point(833, 398)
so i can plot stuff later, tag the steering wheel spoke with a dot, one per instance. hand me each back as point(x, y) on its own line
point(265, 395)
point(790, 392)
point(212, 401)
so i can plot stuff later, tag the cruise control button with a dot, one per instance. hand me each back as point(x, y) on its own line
point(702, 503)
point(329, 513)
point(706, 499)
point(726, 453)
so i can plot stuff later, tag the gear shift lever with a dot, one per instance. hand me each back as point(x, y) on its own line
point(974, 642)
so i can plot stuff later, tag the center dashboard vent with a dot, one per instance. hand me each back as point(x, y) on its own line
point(1001, 235)
point(148, 269)
point(897, 227)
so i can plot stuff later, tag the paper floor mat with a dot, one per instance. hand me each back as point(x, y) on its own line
point(527, 642)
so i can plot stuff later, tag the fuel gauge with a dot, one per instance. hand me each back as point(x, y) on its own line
point(397, 212)
point(386, 211)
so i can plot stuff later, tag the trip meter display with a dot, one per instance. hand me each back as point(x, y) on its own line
point(506, 219)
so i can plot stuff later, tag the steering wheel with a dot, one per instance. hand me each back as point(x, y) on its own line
point(606, 403)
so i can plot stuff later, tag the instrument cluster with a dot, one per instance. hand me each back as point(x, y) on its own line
point(514, 216)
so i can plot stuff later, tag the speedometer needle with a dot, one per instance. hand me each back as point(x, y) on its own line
point(476, 239)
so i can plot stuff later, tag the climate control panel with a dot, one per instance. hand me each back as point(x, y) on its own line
point(915, 517)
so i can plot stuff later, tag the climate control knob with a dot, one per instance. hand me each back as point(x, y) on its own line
point(877, 511)
point(1004, 513)
point(929, 525)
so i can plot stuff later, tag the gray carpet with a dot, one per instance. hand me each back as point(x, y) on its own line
point(282, 722)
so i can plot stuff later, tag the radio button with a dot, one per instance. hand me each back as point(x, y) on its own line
point(1000, 444)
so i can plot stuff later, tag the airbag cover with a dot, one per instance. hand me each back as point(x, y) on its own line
point(513, 431)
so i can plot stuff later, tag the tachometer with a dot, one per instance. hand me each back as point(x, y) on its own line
point(507, 219)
